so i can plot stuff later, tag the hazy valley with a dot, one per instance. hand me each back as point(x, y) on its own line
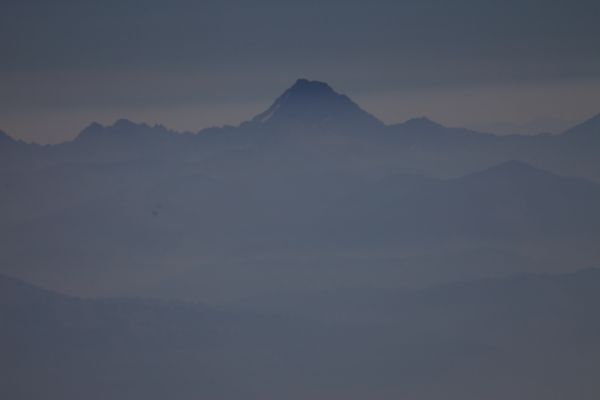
point(310, 252)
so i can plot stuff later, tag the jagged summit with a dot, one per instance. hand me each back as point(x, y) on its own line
point(123, 129)
point(314, 104)
point(120, 124)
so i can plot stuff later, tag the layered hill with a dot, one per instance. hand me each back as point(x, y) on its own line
point(526, 337)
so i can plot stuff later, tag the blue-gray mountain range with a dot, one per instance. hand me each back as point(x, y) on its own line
point(528, 337)
point(312, 193)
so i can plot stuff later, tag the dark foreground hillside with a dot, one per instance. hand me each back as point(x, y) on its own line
point(527, 337)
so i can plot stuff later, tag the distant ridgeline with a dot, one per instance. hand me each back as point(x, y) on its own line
point(310, 121)
point(313, 193)
point(527, 337)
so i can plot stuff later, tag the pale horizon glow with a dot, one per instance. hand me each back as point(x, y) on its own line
point(486, 108)
point(190, 65)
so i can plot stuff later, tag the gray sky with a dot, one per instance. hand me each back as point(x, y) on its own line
point(191, 64)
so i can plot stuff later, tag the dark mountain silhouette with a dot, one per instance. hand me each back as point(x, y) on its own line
point(527, 337)
point(16, 154)
point(313, 183)
point(15, 292)
point(118, 219)
point(518, 199)
point(358, 305)
point(589, 128)
point(314, 105)
point(125, 130)
point(509, 200)
point(329, 130)
point(121, 141)
point(8, 143)
point(61, 347)
point(4, 138)
point(422, 124)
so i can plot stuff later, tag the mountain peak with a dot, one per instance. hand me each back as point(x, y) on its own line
point(314, 104)
point(314, 88)
point(92, 128)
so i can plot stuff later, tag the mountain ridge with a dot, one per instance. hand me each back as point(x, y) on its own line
point(308, 104)
point(589, 127)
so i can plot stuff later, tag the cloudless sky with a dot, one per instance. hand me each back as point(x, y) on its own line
point(191, 64)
